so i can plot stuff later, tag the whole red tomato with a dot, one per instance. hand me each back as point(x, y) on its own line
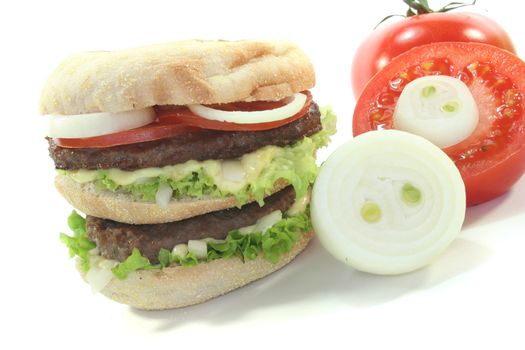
point(388, 41)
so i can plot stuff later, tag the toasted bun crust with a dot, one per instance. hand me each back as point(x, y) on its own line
point(125, 208)
point(180, 73)
point(175, 287)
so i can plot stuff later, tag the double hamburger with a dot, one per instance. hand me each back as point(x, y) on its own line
point(192, 162)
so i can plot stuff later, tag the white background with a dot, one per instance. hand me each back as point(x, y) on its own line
point(473, 297)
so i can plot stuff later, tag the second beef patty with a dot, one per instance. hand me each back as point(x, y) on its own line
point(116, 240)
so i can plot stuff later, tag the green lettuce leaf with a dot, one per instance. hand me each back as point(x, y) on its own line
point(134, 262)
point(188, 260)
point(165, 257)
point(329, 121)
point(276, 241)
point(78, 244)
point(296, 164)
point(195, 184)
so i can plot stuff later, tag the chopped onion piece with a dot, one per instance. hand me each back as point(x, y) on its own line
point(247, 230)
point(163, 196)
point(98, 278)
point(107, 264)
point(198, 248)
point(299, 205)
point(268, 221)
point(99, 274)
point(97, 124)
point(242, 117)
point(388, 202)
point(180, 250)
point(232, 170)
point(263, 224)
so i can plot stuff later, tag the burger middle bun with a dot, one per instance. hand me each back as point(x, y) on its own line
point(125, 208)
point(179, 73)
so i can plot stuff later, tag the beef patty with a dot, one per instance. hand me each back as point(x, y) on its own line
point(198, 145)
point(116, 240)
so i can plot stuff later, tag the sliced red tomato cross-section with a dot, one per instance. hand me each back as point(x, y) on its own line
point(492, 158)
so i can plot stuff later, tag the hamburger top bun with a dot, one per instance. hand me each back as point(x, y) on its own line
point(179, 73)
point(125, 208)
point(175, 287)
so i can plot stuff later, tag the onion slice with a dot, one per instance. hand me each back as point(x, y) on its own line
point(267, 221)
point(97, 124)
point(233, 170)
point(199, 248)
point(163, 195)
point(439, 108)
point(388, 202)
point(180, 250)
point(242, 117)
point(99, 274)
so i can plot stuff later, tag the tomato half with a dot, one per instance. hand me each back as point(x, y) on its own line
point(181, 114)
point(389, 41)
point(492, 158)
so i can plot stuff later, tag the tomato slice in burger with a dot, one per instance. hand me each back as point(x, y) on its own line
point(151, 132)
point(181, 114)
point(175, 120)
point(492, 158)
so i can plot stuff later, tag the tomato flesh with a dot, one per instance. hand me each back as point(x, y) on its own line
point(492, 158)
point(151, 132)
point(181, 114)
point(391, 40)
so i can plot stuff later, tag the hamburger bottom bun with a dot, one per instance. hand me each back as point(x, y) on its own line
point(175, 287)
point(179, 73)
point(125, 208)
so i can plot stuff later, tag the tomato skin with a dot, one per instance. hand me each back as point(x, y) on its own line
point(389, 41)
point(496, 180)
point(486, 175)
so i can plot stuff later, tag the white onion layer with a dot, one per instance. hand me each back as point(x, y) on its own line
point(263, 224)
point(198, 248)
point(242, 117)
point(267, 221)
point(180, 250)
point(97, 124)
point(233, 170)
point(163, 195)
point(417, 188)
point(99, 274)
point(247, 230)
point(299, 205)
point(439, 108)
